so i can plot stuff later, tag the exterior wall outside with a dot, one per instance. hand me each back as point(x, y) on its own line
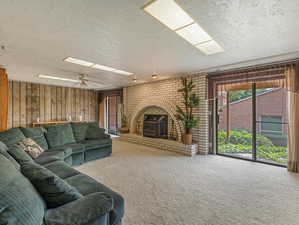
point(269, 104)
point(164, 94)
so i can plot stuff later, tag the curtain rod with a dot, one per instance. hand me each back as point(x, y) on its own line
point(257, 67)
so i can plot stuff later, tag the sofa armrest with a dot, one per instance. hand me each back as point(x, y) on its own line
point(106, 136)
point(45, 160)
point(82, 211)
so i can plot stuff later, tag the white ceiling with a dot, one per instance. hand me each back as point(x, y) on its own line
point(37, 35)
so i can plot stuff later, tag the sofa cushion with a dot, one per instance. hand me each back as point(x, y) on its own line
point(83, 211)
point(65, 149)
point(54, 190)
point(61, 169)
point(97, 143)
point(3, 151)
point(50, 156)
point(19, 154)
point(79, 130)
point(95, 132)
point(60, 134)
point(11, 136)
point(76, 147)
point(20, 203)
point(86, 185)
point(37, 134)
point(31, 147)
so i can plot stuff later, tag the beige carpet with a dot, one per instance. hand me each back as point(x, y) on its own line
point(163, 188)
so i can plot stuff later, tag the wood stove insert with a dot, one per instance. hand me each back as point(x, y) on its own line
point(155, 126)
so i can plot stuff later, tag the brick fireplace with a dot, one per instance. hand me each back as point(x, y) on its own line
point(160, 98)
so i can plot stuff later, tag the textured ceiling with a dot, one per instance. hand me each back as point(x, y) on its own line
point(37, 35)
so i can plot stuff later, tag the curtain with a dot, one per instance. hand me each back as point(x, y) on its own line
point(292, 84)
point(247, 85)
point(3, 99)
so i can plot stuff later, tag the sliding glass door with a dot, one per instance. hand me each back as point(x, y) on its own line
point(251, 122)
point(235, 123)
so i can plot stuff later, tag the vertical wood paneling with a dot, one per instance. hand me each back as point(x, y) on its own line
point(59, 103)
point(53, 103)
point(28, 104)
point(73, 94)
point(78, 110)
point(48, 99)
point(42, 102)
point(28, 101)
point(63, 104)
point(35, 102)
point(86, 106)
point(10, 102)
point(68, 97)
point(16, 104)
point(23, 91)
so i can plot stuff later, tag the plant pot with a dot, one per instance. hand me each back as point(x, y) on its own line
point(123, 130)
point(187, 139)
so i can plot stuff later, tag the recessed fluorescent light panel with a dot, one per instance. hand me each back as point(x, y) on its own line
point(95, 66)
point(169, 13)
point(210, 47)
point(78, 61)
point(57, 78)
point(194, 34)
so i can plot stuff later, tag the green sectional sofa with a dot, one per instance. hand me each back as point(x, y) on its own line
point(66, 145)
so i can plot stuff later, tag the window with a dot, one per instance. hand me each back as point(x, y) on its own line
point(271, 124)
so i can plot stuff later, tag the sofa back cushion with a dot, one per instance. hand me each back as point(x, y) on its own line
point(20, 203)
point(11, 136)
point(60, 134)
point(53, 189)
point(37, 134)
point(95, 133)
point(3, 151)
point(18, 153)
point(79, 130)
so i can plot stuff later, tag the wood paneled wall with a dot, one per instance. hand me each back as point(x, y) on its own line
point(29, 101)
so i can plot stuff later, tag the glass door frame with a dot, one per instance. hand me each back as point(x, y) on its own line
point(254, 132)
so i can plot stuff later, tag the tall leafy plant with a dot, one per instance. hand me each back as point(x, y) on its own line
point(191, 100)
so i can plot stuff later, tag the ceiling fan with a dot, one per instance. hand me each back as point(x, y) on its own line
point(85, 82)
point(81, 81)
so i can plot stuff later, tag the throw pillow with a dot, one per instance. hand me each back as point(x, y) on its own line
point(54, 190)
point(95, 133)
point(31, 147)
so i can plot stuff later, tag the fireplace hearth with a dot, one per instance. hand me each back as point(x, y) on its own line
point(155, 126)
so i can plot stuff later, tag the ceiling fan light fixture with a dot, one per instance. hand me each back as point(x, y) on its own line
point(57, 78)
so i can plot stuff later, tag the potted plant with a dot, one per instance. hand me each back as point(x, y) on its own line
point(185, 114)
point(124, 122)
